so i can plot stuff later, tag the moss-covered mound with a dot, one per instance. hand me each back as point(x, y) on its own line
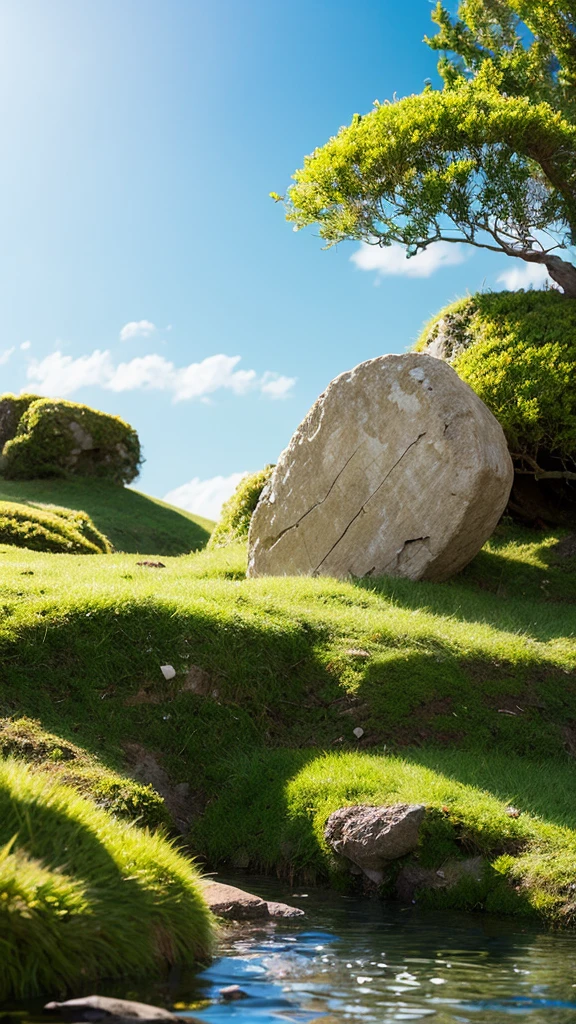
point(517, 350)
point(84, 896)
point(60, 759)
point(12, 409)
point(57, 438)
point(132, 521)
point(234, 522)
point(50, 528)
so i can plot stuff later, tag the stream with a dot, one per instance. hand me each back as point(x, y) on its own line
point(352, 959)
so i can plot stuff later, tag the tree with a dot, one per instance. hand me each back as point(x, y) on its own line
point(489, 160)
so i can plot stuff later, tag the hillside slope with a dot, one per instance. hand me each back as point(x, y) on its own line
point(133, 522)
point(273, 675)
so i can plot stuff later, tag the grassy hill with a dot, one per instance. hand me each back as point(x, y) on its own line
point(132, 521)
point(466, 692)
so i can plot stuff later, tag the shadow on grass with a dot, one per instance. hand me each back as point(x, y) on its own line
point(515, 597)
point(95, 678)
point(133, 522)
point(542, 788)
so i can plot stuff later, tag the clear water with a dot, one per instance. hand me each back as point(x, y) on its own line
point(357, 960)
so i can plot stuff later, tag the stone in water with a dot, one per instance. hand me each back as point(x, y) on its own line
point(398, 469)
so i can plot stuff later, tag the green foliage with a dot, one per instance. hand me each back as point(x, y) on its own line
point(50, 528)
point(57, 438)
point(133, 522)
point(517, 350)
point(531, 43)
point(66, 762)
point(84, 896)
point(464, 155)
point(237, 512)
point(490, 160)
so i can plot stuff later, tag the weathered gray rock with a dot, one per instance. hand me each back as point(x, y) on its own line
point(371, 837)
point(104, 1008)
point(399, 468)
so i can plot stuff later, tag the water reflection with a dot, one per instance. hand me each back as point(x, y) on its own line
point(353, 960)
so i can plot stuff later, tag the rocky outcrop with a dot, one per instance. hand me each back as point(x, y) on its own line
point(230, 902)
point(398, 469)
point(371, 837)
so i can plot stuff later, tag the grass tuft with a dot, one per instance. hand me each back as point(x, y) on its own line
point(84, 896)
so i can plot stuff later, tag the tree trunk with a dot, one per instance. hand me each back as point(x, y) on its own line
point(563, 273)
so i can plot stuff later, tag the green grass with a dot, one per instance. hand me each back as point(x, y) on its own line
point(63, 761)
point(50, 528)
point(133, 522)
point(273, 810)
point(443, 678)
point(85, 896)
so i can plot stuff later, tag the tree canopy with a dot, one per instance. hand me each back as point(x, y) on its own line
point(489, 159)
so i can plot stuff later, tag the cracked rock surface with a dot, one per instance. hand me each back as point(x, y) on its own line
point(398, 469)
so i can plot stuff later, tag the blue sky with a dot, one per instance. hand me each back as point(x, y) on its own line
point(144, 269)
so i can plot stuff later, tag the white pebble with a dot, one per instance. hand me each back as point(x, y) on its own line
point(168, 671)
point(358, 732)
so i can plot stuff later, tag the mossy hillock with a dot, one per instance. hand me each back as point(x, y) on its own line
point(517, 350)
point(61, 760)
point(234, 522)
point(50, 528)
point(85, 896)
point(132, 521)
point(60, 438)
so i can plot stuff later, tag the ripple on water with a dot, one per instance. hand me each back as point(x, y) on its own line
point(360, 960)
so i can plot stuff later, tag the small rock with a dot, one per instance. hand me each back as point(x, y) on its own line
point(358, 732)
point(103, 1008)
point(229, 902)
point(233, 992)
point(168, 671)
point(356, 652)
point(370, 837)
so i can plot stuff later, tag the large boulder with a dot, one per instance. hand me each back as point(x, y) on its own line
point(398, 468)
point(371, 837)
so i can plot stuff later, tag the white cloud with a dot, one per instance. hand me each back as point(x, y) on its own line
point(60, 375)
point(391, 259)
point(274, 385)
point(204, 497)
point(524, 275)
point(25, 346)
point(137, 329)
point(6, 355)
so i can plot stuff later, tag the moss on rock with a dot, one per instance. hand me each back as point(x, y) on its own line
point(517, 350)
point(58, 438)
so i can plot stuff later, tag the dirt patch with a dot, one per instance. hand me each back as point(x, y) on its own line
point(145, 767)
